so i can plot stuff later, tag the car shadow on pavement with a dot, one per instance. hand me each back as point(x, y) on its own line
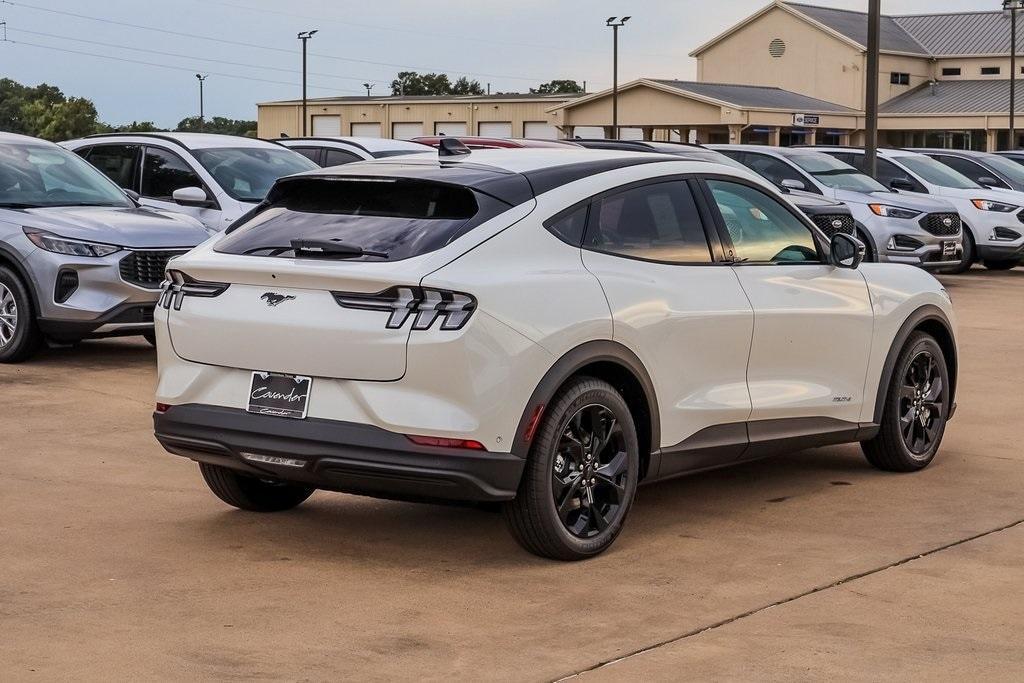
point(335, 527)
point(97, 353)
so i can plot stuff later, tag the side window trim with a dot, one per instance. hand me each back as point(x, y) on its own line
point(723, 231)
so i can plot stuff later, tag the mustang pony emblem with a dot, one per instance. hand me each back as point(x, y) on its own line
point(273, 298)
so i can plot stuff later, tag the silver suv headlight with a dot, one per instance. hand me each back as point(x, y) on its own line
point(989, 205)
point(893, 211)
point(47, 241)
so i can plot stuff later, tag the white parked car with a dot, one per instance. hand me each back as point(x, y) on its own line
point(993, 218)
point(544, 329)
point(328, 152)
point(214, 178)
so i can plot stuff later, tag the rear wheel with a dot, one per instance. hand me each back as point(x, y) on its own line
point(251, 493)
point(970, 254)
point(19, 335)
point(1000, 265)
point(916, 408)
point(581, 474)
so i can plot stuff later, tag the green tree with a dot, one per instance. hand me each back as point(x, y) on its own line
point(414, 83)
point(558, 87)
point(217, 124)
point(13, 96)
point(133, 127)
point(72, 118)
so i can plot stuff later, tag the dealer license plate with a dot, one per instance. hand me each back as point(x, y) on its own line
point(279, 395)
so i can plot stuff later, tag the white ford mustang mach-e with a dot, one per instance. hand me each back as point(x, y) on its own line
point(545, 329)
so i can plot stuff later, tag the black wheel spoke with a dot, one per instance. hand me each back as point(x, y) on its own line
point(565, 506)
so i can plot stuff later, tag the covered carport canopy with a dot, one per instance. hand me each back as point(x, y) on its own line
point(710, 112)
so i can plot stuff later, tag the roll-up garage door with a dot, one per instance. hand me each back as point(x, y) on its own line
point(539, 130)
point(326, 126)
point(406, 131)
point(495, 129)
point(450, 128)
point(591, 132)
point(366, 130)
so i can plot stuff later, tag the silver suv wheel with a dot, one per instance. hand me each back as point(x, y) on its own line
point(8, 315)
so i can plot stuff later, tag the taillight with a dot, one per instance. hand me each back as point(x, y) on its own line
point(178, 285)
point(162, 408)
point(423, 304)
point(441, 442)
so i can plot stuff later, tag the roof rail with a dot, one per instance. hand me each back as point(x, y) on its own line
point(156, 136)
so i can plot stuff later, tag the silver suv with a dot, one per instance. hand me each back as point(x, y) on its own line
point(919, 231)
point(78, 257)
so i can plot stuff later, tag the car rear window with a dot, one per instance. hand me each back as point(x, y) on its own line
point(394, 218)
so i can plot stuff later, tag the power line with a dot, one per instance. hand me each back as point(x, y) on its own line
point(178, 54)
point(400, 29)
point(163, 66)
point(225, 41)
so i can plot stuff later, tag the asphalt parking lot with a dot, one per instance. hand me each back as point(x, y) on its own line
point(117, 562)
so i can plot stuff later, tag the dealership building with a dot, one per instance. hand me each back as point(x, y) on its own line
point(789, 74)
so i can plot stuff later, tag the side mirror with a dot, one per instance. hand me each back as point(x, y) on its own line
point(846, 251)
point(901, 184)
point(133, 195)
point(191, 196)
point(792, 184)
point(989, 181)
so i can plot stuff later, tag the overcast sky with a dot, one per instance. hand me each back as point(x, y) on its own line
point(512, 45)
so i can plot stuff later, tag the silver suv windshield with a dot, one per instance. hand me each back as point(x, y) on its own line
point(37, 176)
point(937, 173)
point(248, 173)
point(833, 173)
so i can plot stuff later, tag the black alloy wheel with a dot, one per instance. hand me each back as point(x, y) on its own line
point(581, 474)
point(589, 470)
point(922, 404)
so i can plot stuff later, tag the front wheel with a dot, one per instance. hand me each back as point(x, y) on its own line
point(250, 493)
point(19, 335)
point(581, 475)
point(916, 409)
point(1000, 265)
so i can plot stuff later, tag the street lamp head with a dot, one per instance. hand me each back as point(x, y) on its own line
point(306, 35)
point(610, 20)
point(625, 19)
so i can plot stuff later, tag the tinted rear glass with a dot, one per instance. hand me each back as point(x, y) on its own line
point(395, 218)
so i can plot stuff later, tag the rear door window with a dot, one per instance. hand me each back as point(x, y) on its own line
point(354, 218)
point(311, 153)
point(337, 157)
point(117, 162)
point(657, 222)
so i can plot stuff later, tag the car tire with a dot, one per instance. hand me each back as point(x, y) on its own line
point(1001, 265)
point(869, 250)
point(968, 257)
point(251, 493)
point(581, 474)
point(19, 333)
point(917, 406)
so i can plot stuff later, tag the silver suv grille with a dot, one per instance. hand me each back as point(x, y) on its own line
point(831, 224)
point(146, 268)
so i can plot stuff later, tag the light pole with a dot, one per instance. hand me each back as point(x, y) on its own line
point(616, 24)
point(202, 119)
point(304, 37)
point(871, 92)
point(369, 87)
point(1013, 6)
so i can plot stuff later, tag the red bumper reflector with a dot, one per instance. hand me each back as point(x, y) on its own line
point(162, 407)
point(441, 442)
point(531, 426)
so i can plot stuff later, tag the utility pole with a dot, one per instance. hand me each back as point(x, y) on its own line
point(871, 92)
point(369, 87)
point(304, 37)
point(615, 24)
point(1013, 6)
point(202, 117)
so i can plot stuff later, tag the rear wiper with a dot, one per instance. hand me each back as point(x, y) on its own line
point(333, 248)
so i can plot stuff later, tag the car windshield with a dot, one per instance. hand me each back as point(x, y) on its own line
point(833, 173)
point(35, 175)
point(937, 173)
point(248, 173)
point(1011, 169)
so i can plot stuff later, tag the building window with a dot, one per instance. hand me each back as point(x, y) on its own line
point(951, 71)
point(777, 48)
point(899, 78)
point(990, 71)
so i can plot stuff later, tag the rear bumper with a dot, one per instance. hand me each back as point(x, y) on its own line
point(337, 456)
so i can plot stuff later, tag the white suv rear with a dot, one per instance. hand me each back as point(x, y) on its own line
point(544, 329)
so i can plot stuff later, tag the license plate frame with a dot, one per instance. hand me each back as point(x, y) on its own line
point(948, 250)
point(279, 395)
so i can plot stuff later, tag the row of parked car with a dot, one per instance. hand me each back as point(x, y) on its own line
point(81, 258)
point(388, 326)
